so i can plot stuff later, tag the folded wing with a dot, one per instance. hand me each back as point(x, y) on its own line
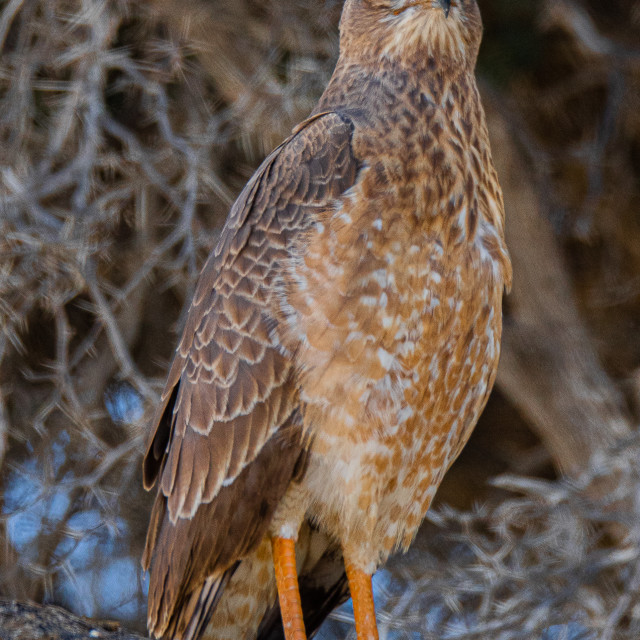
point(227, 434)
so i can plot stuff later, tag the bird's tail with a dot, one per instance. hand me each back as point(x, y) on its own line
point(200, 607)
point(249, 593)
point(248, 608)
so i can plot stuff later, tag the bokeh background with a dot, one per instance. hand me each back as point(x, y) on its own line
point(127, 128)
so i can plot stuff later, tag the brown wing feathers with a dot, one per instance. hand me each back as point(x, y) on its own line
point(188, 552)
point(228, 434)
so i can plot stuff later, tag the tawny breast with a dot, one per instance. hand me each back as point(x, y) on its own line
point(393, 305)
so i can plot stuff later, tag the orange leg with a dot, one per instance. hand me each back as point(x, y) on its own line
point(363, 608)
point(284, 562)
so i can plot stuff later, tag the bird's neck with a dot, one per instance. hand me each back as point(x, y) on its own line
point(359, 86)
point(425, 125)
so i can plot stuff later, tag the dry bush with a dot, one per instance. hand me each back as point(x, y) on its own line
point(126, 130)
point(541, 563)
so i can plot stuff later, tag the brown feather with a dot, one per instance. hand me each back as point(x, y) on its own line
point(184, 554)
point(228, 437)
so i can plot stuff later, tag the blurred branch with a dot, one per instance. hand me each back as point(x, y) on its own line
point(574, 19)
point(7, 16)
point(4, 422)
point(549, 368)
point(127, 367)
point(536, 564)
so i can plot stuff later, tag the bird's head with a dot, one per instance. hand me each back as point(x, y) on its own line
point(448, 30)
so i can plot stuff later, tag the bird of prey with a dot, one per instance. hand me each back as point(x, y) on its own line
point(341, 343)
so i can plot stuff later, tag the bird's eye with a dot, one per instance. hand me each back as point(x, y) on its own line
point(404, 7)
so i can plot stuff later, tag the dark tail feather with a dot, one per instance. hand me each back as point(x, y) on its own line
point(196, 614)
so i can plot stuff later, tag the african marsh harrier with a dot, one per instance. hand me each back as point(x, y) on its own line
point(341, 344)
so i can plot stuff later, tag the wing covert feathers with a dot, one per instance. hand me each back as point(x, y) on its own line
point(226, 434)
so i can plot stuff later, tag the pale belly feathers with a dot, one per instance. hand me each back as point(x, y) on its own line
point(397, 339)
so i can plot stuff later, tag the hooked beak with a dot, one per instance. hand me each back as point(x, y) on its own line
point(446, 7)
